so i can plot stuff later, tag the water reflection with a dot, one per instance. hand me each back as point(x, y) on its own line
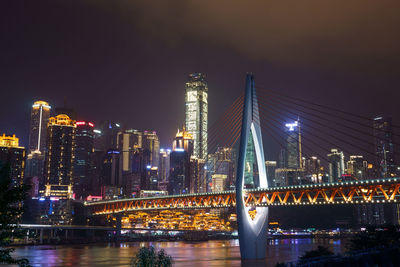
point(210, 253)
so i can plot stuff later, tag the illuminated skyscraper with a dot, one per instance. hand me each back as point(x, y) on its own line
point(14, 155)
point(196, 110)
point(60, 156)
point(294, 159)
point(357, 167)
point(182, 149)
point(223, 162)
point(83, 164)
point(164, 166)
point(128, 142)
point(384, 147)
point(40, 115)
point(336, 165)
point(151, 144)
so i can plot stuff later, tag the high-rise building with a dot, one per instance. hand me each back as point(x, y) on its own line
point(164, 166)
point(83, 165)
point(293, 149)
point(111, 182)
point(40, 115)
point(196, 110)
point(223, 162)
point(106, 136)
point(182, 149)
point(151, 143)
point(270, 167)
point(197, 182)
point(14, 155)
point(336, 165)
point(60, 157)
point(34, 171)
point(357, 167)
point(128, 142)
point(312, 170)
point(384, 147)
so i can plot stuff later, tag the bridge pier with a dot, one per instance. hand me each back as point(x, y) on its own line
point(252, 221)
point(118, 224)
point(41, 236)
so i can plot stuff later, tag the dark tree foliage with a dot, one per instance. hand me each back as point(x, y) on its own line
point(319, 252)
point(373, 237)
point(11, 199)
point(147, 257)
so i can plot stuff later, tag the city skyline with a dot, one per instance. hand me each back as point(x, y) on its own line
point(112, 80)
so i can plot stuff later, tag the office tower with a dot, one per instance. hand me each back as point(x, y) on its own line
point(293, 149)
point(196, 110)
point(282, 158)
point(182, 149)
point(83, 165)
point(384, 148)
point(60, 157)
point(14, 155)
point(111, 182)
point(34, 171)
point(312, 169)
point(270, 167)
point(218, 182)
point(164, 166)
point(128, 142)
point(357, 167)
point(152, 145)
point(40, 115)
point(223, 162)
point(152, 176)
point(336, 165)
point(106, 135)
point(197, 182)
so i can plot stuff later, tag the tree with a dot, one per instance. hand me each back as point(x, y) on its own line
point(319, 252)
point(147, 257)
point(11, 198)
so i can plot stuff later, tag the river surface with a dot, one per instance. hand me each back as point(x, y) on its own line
point(206, 253)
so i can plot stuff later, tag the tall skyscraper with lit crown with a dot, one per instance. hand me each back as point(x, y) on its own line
point(196, 110)
point(40, 115)
point(14, 155)
point(60, 156)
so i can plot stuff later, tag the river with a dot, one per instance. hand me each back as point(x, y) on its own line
point(206, 253)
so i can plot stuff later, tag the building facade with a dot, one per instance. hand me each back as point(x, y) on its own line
point(196, 111)
point(40, 115)
point(60, 157)
point(336, 165)
point(83, 164)
point(13, 155)
point(384, 147)
point(182, 150)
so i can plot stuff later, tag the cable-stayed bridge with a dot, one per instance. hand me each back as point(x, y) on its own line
point(323, 128)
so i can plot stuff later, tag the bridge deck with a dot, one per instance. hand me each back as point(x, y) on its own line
point(354, 192)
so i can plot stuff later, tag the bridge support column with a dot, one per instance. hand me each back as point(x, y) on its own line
point(41, 236)
point(252, 221)
point(118, 224)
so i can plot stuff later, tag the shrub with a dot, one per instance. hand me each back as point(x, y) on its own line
point(147, 257)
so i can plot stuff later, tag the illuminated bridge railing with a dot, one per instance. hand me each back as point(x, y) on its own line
point(354, 192)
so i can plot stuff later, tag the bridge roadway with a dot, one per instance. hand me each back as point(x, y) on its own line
point(351, 192)
point(105, 228)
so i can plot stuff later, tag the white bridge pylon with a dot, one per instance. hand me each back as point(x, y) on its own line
point(252, 221)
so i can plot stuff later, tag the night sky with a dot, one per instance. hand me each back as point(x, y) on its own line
point(128, 60)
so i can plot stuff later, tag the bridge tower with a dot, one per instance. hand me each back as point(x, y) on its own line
point(252, 221)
